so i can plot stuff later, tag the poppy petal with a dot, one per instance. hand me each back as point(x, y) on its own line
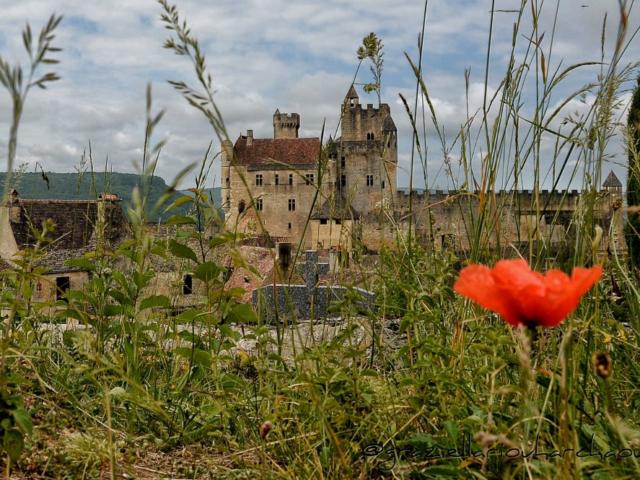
point(476, 282)
point(523, 296)
point(582, 279)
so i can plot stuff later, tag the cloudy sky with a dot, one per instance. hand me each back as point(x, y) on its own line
point(267, 54)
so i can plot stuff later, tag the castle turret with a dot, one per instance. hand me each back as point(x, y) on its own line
point(285, 125)
point(612, 184)
point(352, 99)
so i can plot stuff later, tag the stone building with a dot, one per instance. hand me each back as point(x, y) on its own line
point(71, 228)
point(293, 190)
point(288, 187)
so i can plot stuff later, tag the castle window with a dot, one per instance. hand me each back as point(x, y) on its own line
point(370, 136)
point(241, 206)
point(323, 221)
point(291, 179)
point(228, 199)
point(383, 184)
point(289, 226)
point(308, 178)
point(259, 204)
point(343, 180)
point(342, 162)
point(187, 284)
point(292, 204)
point(259, 180)
point(63, 284)
point(228, 181)
point(276, 179)
point(369, 180)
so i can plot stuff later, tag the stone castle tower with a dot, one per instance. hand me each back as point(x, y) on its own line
point(285, 125)
point(366, 155)
point(277, 179)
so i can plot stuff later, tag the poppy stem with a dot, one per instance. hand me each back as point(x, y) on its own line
point(533, 342)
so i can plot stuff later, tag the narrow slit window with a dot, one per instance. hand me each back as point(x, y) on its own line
point(369, 180)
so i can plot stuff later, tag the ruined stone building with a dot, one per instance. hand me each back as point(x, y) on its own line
point(294, 190)
point(71, 228)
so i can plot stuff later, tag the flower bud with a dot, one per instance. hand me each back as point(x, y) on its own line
point(602, 364)
point(265, 428)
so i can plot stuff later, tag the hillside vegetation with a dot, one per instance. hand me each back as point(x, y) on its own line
point(74, 186)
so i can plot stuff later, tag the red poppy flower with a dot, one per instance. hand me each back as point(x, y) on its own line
point(522, 296)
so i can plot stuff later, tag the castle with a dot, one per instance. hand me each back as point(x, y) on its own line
point(292, 190)
point(300, 195)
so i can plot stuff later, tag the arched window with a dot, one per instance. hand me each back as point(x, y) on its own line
point(241, 206)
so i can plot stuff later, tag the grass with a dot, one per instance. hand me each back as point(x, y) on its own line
point(429, 386)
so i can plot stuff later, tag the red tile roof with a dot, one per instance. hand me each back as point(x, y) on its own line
point(290, 151)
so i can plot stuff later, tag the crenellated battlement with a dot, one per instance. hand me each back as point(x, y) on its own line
point(369, 110)
point(287, 117)
point(404, 192)
point(285, 125)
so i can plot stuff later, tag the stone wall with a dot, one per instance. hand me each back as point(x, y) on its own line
point(311, 300)
point(295, 302)
point(277, 219)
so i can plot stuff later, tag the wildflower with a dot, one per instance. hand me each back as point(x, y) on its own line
point(524, 297)
point(265, 428)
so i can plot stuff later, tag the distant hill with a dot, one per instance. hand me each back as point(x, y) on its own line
point(72, 186)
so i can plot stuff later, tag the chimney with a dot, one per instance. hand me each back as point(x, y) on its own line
point(14, 206)
point(249, 138)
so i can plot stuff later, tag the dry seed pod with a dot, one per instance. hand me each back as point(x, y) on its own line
point(602, 364)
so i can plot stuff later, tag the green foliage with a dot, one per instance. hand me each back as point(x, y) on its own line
point(403, 279)
point(15, 423)
point(633, 178)
point(76, 186)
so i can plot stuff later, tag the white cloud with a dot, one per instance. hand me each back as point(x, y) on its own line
point(268, 54)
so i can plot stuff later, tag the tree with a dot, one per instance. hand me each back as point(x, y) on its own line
point(633, 178)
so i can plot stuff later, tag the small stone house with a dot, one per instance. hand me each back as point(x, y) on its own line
point(79, 226)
